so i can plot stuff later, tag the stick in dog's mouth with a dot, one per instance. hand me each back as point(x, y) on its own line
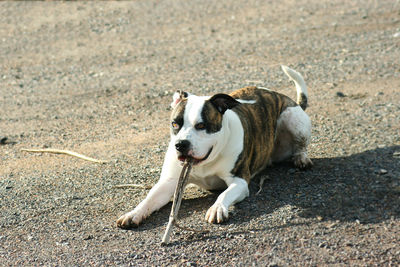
point(180, 186)
point(194, 160)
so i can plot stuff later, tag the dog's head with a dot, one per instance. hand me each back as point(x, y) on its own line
point(197, 124)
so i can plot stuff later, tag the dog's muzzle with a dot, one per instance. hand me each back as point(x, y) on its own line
point(182, 146)
point(184, 151)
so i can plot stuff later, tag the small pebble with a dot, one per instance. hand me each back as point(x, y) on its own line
point(322, 245)
point(340, 94)
point(383, 171)
point(88, 237)
point(3, 140)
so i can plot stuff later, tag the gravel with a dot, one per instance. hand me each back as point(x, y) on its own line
point(98, 79)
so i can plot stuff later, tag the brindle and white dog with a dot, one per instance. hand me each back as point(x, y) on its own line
point(231, 138)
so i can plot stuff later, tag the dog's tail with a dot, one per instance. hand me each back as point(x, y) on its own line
point(301, 87)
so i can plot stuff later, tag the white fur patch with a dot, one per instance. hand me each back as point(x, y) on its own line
point(297, 121)
point(246, 101)
point(264, 88)
point(293, 126)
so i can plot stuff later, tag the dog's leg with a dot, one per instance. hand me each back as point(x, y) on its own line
point(299, 125)
point(293, 136)
point(300, 157)
point(237, 190)
point(158, 196)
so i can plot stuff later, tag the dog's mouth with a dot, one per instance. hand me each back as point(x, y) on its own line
point(195, 160)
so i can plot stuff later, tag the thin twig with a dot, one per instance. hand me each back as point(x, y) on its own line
point(66, 152)
point(262, 180)
point(132, 186)
point(190, 229)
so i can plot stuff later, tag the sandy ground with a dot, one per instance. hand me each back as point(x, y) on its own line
point(98, 79)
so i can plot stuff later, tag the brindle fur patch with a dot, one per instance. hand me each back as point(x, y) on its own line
point(259, 124)
point(211, 117)
point(302, 100)
point(177, 115)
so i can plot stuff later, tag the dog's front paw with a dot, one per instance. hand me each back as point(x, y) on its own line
point(130, 220)
point(302, 161)
point(217, 213)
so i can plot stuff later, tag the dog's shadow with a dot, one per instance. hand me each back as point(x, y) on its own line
point(363, 187)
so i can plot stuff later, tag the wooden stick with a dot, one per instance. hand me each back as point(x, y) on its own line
point(66, 152)
point(133, 186)
point(180, 186)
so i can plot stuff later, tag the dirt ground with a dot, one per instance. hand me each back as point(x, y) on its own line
point(97, 78)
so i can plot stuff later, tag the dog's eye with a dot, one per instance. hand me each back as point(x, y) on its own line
point(200, 126)
point(175, 125)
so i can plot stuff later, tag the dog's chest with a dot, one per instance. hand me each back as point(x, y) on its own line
point(211, 182)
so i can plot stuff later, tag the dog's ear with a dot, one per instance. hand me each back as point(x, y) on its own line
point(177, 97)
point(222, 102)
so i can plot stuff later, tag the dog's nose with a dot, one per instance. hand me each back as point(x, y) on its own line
point(182, 146)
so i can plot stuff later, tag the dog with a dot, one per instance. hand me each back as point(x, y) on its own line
point(230, 139)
